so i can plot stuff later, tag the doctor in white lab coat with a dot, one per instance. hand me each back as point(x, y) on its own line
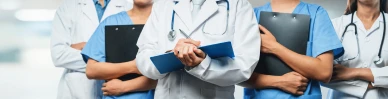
point(361, 78)
point(203, 77)
point(75, 21)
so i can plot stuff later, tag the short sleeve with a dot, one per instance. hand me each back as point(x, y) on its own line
point(324, 36)
point(95, 47)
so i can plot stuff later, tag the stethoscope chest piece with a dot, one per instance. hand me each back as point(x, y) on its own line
point(379, 62)
point(171, 35)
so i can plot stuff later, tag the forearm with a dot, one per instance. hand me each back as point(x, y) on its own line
point(106, 71)
point(68, 58)
point(364, 74)
point(314, 68)
point(262, 81)
point(141, 83)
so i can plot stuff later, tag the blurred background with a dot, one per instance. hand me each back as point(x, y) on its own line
point(26, 69)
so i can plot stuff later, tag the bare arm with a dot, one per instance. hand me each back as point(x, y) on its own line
point(141, 83)
point(107, 71)
point(319, 68)
point(117, 87)
point(291, 82)
point(364, 74)
point(261, 81)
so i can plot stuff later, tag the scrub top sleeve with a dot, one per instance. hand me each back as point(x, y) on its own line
point(257, 14)
point(95, 47)
point(324, 36)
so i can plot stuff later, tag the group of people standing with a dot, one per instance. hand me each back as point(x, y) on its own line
point(346, 54)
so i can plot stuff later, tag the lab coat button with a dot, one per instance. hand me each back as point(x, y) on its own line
point(364, 65)
point(367, 39)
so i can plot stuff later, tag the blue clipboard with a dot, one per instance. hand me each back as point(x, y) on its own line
point(169, 62)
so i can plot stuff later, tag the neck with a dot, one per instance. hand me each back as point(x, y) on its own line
point(102, 2)
point(141, 11)
point(368, 12)
point(282, 2)
point(286, 6)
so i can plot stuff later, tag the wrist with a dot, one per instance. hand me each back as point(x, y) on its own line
point(355, 73)
point(126, 87)
point(277, 82)
point(364, 74)
point(130, 67)
point(276, 48)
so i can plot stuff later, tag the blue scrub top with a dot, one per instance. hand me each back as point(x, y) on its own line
point(100, 9)
point(323, 38)
point(95, 49)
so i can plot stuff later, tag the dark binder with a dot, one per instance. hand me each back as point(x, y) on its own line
point(290, 30)
point(120, 45)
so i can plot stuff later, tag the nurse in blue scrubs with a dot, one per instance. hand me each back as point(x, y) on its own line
point(94, 52)
point(309, 69)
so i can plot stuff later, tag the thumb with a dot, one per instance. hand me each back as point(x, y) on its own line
point(197, 43)
point(200, 53)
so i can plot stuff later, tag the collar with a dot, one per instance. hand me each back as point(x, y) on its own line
point(356, 19)
point(96, 1)
point(190, 0)
point(297, 9)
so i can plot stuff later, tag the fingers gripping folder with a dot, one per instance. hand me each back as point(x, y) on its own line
point(168, 62)
point(290, 30)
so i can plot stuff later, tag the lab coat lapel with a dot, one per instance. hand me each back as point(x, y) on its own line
point(89, 10)
point(208, 8)
point(183, 12)
point(379, 24)
point(114, 7)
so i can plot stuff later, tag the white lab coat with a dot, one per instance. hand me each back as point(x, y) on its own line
point(75, 21)
point(213, 78)
point(370, 41)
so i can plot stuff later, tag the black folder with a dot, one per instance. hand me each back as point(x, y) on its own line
point(120, 45)
point(290, 30)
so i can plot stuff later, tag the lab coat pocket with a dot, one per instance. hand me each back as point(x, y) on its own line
point(80, 86)
point(217, 24)
point(384, 56)
point(162, 93)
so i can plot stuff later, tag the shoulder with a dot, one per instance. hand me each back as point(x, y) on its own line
point(67, 5)
point(115, 19)
point(342, 19)
point(261, 8)
point(315, 9)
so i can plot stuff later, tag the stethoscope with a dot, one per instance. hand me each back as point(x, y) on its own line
point(172, 34)
point(379, 60)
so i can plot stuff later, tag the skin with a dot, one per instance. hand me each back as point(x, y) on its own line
point(319, 68)
point(291, 82)
point(110, 71)
point(186, 50)
point(368, 11)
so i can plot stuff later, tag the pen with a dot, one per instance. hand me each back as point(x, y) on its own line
point(187, 36)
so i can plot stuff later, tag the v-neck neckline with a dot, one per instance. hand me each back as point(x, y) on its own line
point(296, 9)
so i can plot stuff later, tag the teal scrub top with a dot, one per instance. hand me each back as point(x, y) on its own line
point(323, 38)
point(95, 49)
